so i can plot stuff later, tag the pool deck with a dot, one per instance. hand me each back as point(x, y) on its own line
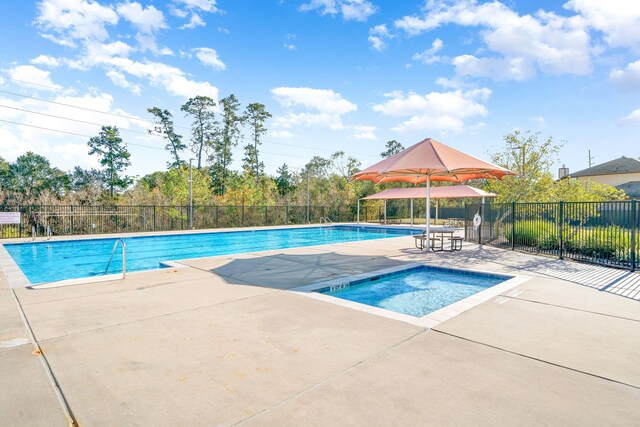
point(223, 342)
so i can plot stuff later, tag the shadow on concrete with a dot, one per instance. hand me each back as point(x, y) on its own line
point(607, 279)
point(286, 271)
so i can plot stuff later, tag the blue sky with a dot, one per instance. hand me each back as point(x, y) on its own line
point(336, 74)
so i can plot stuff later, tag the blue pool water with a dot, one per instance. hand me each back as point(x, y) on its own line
point(417, 291)
point(52, 261)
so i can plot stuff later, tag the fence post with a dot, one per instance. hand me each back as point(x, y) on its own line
point(634, 226)
point(481, 205)
point(560, 227)
point(513, 226)
point(116, 218)
point(243, 215)
point(72, 224)
point(286, 215)
point(154, 217)
point(217, 216)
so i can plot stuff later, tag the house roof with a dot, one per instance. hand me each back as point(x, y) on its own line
point(632, 188)
point(620, 165)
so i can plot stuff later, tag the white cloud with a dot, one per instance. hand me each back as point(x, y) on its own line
point(289, 44)
point(75, 19)
point(540, 120)
point(31, 74)
point(282, 134)
point(496, 68)
point(545, 41)
point(631, 118)
point(203, 5)
point(351, 10)
point(146, 19)
point(118, 79)
point(429, 56)
point(619, 20)
point(195, 21)
point(180, 13)
point(357, 10)
point(58, 40)
point(627, 78)
point(322, 100)
point(63, 149)
point(209, 57)
point(147, 42)
point(163, 76)
point(378, 37)
point(326, 107)
point(364, 132)
point(436, 111)
point(194, 7)
point(46, 60)
point(96, 53)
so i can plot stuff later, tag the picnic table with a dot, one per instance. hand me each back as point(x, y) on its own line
point(437, 238)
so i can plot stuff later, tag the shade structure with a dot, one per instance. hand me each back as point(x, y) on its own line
point(430, 160)
point(448, 192)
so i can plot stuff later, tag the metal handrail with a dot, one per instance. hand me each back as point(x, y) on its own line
point(34, 232)
point(325, 220)
point(49, 232)
point(124, 257)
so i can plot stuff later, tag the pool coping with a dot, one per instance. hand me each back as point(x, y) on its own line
point(427, 321)
point(17, 279)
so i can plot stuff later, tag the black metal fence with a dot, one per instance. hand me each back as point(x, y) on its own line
point(76, 219)
point(597, 232)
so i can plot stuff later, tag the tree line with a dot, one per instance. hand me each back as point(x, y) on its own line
point(31, 179)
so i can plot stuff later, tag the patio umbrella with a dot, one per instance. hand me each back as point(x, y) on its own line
point(427, 161)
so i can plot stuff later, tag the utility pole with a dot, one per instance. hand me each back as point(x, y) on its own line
point(308, 206)
point(190, 194)
point(590, 158)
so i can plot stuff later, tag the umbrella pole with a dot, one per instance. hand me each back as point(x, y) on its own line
point(428, 213)
point(437, 207)
point(358, 211)
point(385, 211)
point(411, 212)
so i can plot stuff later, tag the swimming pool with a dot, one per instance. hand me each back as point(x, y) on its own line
point(415, 291)
point(43, 262)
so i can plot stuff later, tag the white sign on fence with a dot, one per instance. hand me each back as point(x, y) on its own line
point(9, 217)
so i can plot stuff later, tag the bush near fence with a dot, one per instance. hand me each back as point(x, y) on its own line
point(597, 232)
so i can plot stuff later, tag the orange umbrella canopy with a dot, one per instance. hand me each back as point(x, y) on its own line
point(448, 192)
point(427, 161)
point(433, 159)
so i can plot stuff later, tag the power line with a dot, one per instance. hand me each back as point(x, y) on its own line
point(70, 119)
point(76, 106)
point(300, 146)
point(88, 136)
point(54, 88)
point(72, 133)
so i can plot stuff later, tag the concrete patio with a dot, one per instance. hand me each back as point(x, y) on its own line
point(222, 342)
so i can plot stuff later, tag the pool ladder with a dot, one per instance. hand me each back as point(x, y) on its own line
point(124, 257)
point(34, 233)
point(325, 221)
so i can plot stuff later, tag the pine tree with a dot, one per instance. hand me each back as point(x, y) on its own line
point(393, 147)
point(203, 126)
point(227, 136)
point(114, 156)
point(164, 127)
point(255, 115)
